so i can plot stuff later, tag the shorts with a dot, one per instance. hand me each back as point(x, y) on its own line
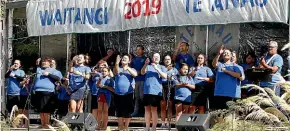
point(62, 107)
point(199, 97)
point(124, 105)
point(94, 102)
point(104, 98)
point(43, 101)
point(22, 103)
point(12, 100)
point(165, 92)
point(78, 94)
point(152, 100)
point(182, 102)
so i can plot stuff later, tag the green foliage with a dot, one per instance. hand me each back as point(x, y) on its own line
point(25, 49)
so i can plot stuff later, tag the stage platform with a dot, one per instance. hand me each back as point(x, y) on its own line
point(137, 124)
point(33, 127)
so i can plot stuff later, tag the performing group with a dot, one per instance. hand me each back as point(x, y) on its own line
point(180, 83)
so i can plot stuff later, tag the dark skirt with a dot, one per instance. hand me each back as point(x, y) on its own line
point(43, 101)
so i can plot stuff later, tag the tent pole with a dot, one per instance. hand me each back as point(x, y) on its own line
point(206, 43)
point(129, 41)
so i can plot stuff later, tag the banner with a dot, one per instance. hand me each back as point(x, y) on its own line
point(89, 16)
point(228, 35)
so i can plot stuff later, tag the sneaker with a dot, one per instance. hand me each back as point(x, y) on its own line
point(153, 129)
point(146, 129)
point(163, 126)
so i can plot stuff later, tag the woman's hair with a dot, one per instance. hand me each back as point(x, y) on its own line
point(106, 68)
point(46, 59)
point(182, 65)
point(252, 55)
point(126, 54)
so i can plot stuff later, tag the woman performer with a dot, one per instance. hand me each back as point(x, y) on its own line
point(152, 89)
point(171, 72)
point(202, 76)
point(124, 79)
point(183, 86)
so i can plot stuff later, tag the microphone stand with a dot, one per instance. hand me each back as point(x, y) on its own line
point(28, 100)
point(169, 86)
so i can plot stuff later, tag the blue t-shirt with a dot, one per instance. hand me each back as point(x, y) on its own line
point(203, 72)
point(44, 83)
point(77, 81)
point(277, 60)
point(170, 73)
point(225, 84)
point(187, 58)
point(107, 81)
point(93, 86)
point(108, 94)
point(153, 81)
point(62, 94)
point(13, 87)
point(137, 63)
point(183, 93)
point(124, 82)
point(245, 67)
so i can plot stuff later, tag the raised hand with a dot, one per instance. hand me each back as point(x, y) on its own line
point(118, 59)
point(221, 50)
point(45, 73)
point(147, 61)
point(154, 65)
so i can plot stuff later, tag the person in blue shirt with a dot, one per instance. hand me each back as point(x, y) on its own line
point(202, 76)
point(79, 74)
point(171, 72)
point(59, 74)
point(14, 76)
point(228, 77)
point(24, 92)
point(106, 87)
point(63, 95)
point(183, 85)
point(137, 63)
point(96, 74)
point(183, 56)
point(152, 89)
point(250, 62)
point(274, 62)
point(124, 90)
point(44, 87)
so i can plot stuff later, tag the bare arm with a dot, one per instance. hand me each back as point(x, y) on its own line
point(144, 69)
point(233, 74)
point(190, 86)
point(215, 61)
point(132, 72)
point(116, 69)
point(109, 88)
point(162, 74)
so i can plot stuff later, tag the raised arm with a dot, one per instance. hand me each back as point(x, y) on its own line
point(176, 51)
point(144, 68)
point(162, 74)
point(216, 59)
point(116, 68)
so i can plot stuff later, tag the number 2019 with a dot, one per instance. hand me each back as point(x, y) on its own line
point(135, 8)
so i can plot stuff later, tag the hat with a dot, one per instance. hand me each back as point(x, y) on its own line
point(273, 44)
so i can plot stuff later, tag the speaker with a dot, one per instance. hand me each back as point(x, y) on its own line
point(193, 122)
point(82, 119)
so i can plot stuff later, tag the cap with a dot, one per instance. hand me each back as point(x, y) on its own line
point(273, 44)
